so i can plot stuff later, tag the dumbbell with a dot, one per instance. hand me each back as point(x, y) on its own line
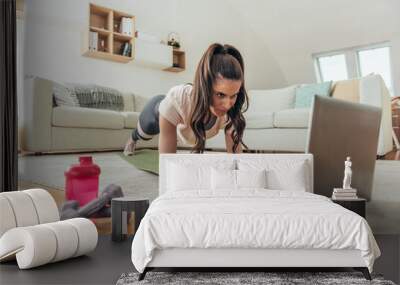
point(70, 209)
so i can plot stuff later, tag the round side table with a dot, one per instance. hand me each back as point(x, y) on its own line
point(120, 208)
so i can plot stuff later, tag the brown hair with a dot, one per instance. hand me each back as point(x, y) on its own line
point(218, 61)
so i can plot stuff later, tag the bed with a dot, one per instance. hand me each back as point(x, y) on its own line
point(247, 210)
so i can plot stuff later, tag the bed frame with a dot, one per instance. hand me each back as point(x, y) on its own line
point(242, 259)
point(245, 259)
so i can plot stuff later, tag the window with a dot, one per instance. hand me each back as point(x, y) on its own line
point(376, 60)
point(355, 62)
point(332, 67)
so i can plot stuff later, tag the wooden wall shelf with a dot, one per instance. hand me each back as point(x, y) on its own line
point(108, 56)
point(106, 23)
point(178, 61)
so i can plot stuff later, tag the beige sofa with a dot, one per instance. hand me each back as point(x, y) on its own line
point(273, 124)
point(48, 128)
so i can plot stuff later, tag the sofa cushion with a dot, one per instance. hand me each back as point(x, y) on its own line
point(271, 100)
point(129, 102)
point(130, 119)
point(292, 118)
point(347, 90)
point(264, 120)
point(140, 102)
point(87, 118)
point(306, 93)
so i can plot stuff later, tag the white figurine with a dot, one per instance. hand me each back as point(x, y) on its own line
point(347, 174)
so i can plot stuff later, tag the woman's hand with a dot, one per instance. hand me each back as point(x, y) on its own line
point(229, 143)
point(167, 140)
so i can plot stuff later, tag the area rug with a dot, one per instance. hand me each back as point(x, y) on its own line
point(144, 159)
point(269, 278)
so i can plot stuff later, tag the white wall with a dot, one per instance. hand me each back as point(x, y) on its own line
point(294, 30)
point(276, 38)
point(54, 31)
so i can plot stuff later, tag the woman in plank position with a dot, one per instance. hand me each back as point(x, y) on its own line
point(194, 113)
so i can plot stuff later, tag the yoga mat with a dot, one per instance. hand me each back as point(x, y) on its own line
point(144, 159)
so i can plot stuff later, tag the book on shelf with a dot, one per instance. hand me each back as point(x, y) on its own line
point(126, 49)
point(126, 26)
point(130, 50)
point(93, 41)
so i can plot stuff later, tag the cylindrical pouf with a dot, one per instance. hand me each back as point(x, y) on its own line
point(87, 235)
point(45, 205)
point(67, 240)
point(34, 246)
point(23, 208)
point(7, 218)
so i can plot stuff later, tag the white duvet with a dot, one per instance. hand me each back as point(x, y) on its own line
point(252, 218)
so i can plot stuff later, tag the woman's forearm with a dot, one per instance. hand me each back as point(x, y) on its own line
point(167, 140)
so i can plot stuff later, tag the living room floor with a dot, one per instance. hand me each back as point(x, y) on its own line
point(110, 259)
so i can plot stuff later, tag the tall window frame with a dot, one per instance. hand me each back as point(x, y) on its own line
point(352, 61)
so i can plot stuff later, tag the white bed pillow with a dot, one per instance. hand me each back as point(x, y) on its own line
point(193, 176)
point(225, 179)
point(251, 178)
point(293, 179)
point(291, 175)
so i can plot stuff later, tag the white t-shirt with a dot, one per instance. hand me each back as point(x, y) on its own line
point(177, 106)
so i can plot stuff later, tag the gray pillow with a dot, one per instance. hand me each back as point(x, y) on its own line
point(64, 95)
point(99, 97)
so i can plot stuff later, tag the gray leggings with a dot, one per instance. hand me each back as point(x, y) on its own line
point(148, 124)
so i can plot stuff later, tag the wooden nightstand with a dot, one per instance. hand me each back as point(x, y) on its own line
point(355, 205)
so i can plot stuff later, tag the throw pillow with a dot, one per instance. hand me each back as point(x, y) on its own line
point(348, 90)
point(305, 94)
point(98, 97)
point(64, 96)
point(271, 100)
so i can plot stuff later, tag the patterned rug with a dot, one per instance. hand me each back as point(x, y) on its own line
point(243, 278)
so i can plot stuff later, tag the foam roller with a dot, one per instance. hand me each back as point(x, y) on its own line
point(40, 244)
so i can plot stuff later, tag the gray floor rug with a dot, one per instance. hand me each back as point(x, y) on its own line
point(242, 278)
point(383, 212)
